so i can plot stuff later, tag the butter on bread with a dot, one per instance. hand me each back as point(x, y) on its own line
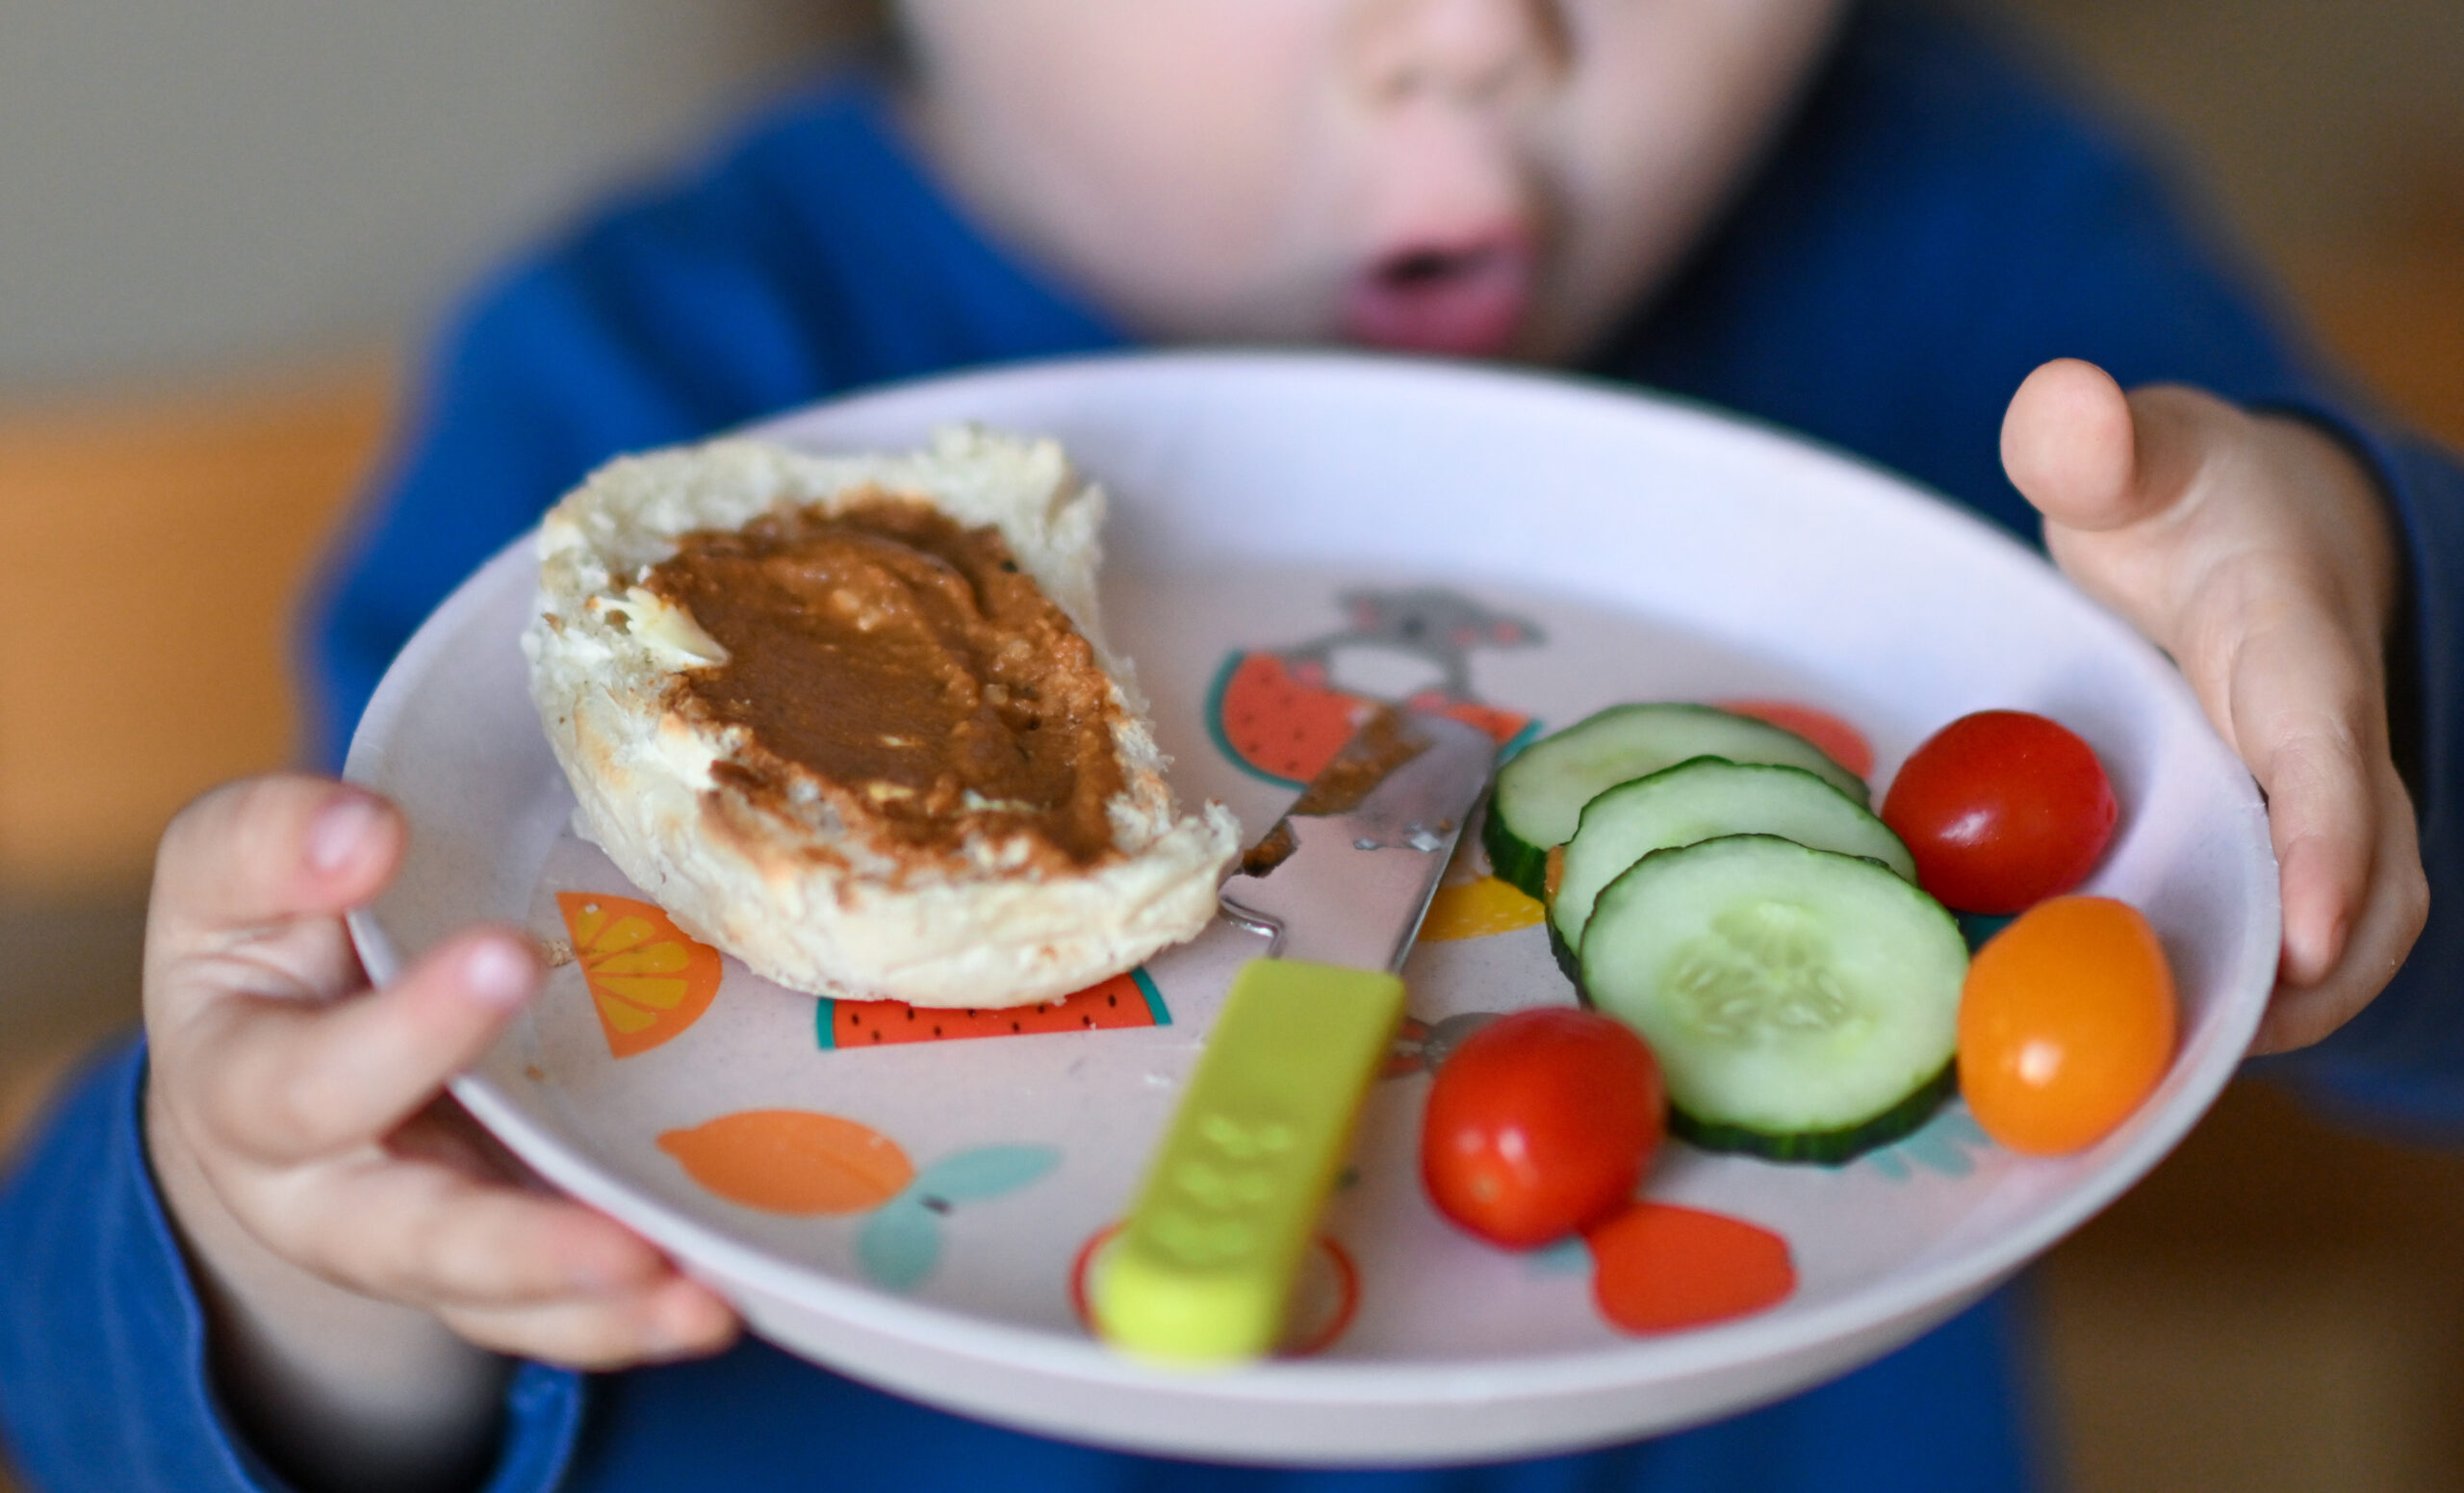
point(785, 882)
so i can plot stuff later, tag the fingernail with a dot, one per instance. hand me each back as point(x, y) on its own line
point(681, 1325)
point(338, 831)
point(497, 974)
point(2310, 948)
point(603, 1272)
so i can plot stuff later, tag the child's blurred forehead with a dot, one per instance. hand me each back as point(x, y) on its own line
point(1066, 37)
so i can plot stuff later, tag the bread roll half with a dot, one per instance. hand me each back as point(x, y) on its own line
point(794, 881)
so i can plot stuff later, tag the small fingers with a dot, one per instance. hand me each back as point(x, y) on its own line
point(675, 1318)
point(285, 1081)
point(512, 1270)
point(431, 1236)
point(2305, 715)
point(2392, 910)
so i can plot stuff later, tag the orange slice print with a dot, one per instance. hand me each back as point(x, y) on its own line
point(792, 1161)
point(647, 979)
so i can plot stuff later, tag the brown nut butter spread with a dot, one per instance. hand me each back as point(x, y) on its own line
point(903, 668)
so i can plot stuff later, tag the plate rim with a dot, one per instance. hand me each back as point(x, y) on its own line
point(1082, 1359)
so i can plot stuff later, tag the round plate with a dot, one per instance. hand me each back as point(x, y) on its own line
point(1291, 536)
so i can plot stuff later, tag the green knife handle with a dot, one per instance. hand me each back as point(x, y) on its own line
point(1203, 1266)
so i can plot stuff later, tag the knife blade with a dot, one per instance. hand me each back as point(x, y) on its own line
point(1202, 1269)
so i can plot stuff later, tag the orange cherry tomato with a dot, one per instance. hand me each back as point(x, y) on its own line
point(2065, 1025)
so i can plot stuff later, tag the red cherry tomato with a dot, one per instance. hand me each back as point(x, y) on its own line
point(1539, 1123)
point(2001, 809)
point(2066, 1025)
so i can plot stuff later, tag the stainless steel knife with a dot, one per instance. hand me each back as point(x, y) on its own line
point(1203, 1266)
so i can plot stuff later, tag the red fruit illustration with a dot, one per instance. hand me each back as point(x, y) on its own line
point(1839, 740)
point(1275, 724)
point(1128, 999)
point(1659, 1268)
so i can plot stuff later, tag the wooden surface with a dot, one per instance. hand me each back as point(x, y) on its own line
point(2276, 1310)
point(156, 546)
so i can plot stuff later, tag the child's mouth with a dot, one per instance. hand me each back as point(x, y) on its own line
point(1468, 301)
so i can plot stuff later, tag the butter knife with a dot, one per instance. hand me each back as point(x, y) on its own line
point(1202, 1269)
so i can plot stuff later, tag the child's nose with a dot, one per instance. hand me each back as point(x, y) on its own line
point(1466, 51)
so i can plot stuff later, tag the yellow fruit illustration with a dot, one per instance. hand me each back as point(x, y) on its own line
point(647, 980)
point(1477, 909)
point(792, 1161)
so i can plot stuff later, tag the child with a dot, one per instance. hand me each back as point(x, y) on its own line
point(266, 1249)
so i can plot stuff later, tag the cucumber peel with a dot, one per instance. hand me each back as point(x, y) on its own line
point(1703, 798)
point(1541, 793)
point(1803, 1003)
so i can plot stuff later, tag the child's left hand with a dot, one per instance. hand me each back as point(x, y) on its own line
point(2258, 552)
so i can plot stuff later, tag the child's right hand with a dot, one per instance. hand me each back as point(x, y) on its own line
point(340, 1211)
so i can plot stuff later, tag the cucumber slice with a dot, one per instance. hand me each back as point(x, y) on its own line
point(1705, 798)
point(1803, 1004)
point(1540, 794)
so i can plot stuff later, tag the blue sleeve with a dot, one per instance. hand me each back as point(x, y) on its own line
point(104, 1382)
point(588, 352)
point(1939, 222)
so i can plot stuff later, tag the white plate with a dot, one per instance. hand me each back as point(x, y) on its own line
point(1636, 550)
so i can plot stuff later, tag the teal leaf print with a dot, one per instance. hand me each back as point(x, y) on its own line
point(1946, 1147)
point(1568, 1256)
point(985, 1171)
point(1979, 928)
point(901, 1243)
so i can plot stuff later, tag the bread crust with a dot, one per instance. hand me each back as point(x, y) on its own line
point(788, 889)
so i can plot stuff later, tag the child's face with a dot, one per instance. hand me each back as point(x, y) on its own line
point(1472, 176)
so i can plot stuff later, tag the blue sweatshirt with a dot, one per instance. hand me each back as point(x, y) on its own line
point(1933, 224)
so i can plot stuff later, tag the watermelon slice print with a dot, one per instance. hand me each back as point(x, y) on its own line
point(1128, 999)
point(1281, 715)
point(1283, 722)
point(1278, 722)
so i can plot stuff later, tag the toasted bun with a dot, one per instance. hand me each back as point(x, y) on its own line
point(854, 921)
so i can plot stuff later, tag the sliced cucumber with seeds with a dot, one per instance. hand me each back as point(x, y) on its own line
point(1703, 798)
point(1803, 1004)
point(1540, 794)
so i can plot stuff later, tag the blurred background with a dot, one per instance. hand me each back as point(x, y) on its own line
point(227, 223)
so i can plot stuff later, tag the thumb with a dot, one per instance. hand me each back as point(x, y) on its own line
point(2090, 457)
